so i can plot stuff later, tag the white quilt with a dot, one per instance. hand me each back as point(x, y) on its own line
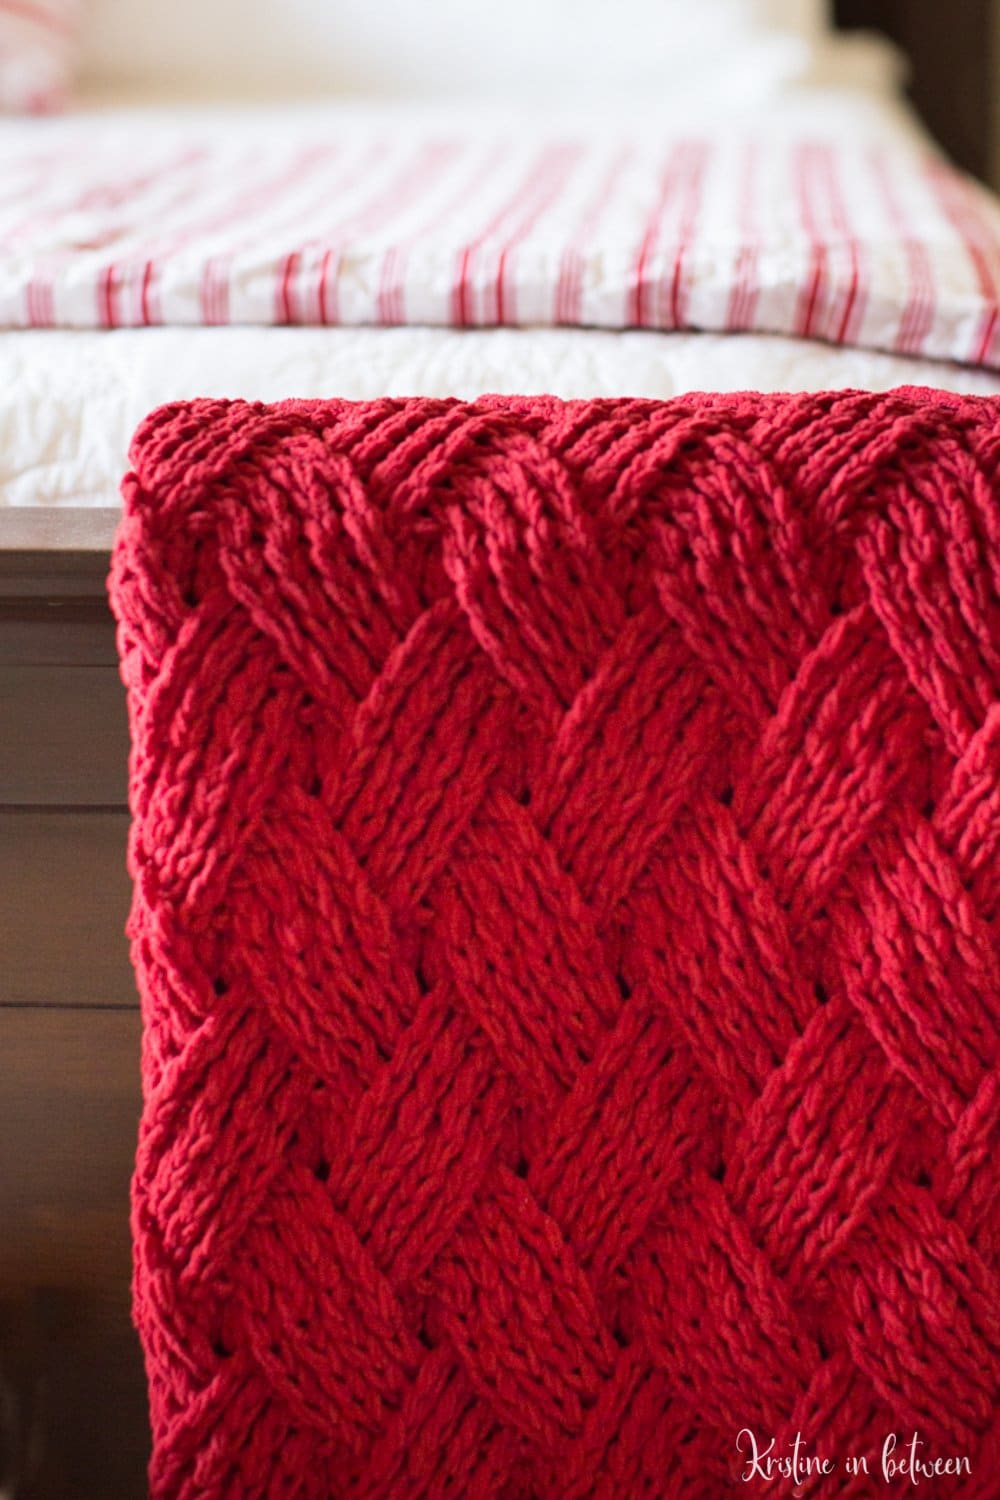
point(820, 245)
point(69, 402)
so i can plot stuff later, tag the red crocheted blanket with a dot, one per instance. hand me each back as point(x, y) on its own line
point(566, 857)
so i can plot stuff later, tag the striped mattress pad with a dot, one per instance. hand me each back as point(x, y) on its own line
point(321, 219)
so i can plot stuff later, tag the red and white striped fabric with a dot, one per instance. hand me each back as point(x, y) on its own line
point(873, 242)
point(36, 54)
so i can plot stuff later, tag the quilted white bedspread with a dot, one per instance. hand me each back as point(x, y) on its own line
point(802, 223)
point(70, 401)
point(828, 218)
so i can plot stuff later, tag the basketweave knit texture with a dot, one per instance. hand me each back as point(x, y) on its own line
point(566, 885)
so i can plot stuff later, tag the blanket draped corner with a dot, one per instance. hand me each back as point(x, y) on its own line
point(565, 841)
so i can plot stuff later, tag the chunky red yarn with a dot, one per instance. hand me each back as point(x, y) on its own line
point(566, 857)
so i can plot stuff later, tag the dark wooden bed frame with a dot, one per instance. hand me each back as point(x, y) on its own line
point(950, 46)
point(69, 1025)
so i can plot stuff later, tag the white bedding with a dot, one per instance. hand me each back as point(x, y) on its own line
point(70, 398)
point(453, 49)
point(69, 401)
point(824, 215)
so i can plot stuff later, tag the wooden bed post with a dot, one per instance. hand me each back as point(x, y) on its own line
point(950, 49)
point(71, 1380)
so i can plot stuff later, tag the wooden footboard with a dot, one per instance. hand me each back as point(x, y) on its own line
point(69, 1023)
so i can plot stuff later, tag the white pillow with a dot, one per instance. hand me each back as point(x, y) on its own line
point(533, 49)
point(37, 47)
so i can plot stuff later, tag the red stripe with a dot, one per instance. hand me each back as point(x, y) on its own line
point(405, 185)
point(127, 193)
point(97, 231)
point(213, 298)
point(811, 295)
point(206, 292)
point(244, 208)
point(854, 297)
point(107, 296)
point(145, 298)
point(214, 290)
point(390, 304)
point(392, 293)
point(917, 315)
point(690, 206)
point(460, 292)
point(327, 288)
point(549, 188)
point(743, 298)
point(37, 15)
point(669, 179)
point(286, 302)
point(499, 293)
point(980, 244)
point(986, 340)
point(460, 298)
point(569, 291)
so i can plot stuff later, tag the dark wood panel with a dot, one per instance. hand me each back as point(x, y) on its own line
point(53, 575)
point(69, 1110)
point(64, 898)
point(57, 633)
point(951, 54)
point(70, 1366)
point(65, 736)
point(76, 1420)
